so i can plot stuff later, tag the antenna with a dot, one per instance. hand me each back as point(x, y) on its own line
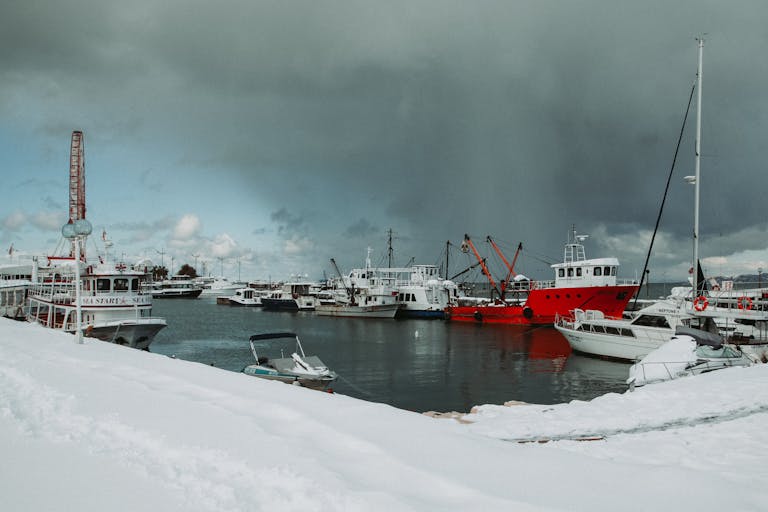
point(161, 253)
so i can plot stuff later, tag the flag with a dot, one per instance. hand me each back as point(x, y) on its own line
point(10, 251)
point(104, 235)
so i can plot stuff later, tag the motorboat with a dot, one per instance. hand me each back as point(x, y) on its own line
point(689, 352)
point(298, 368)
point(579, 283)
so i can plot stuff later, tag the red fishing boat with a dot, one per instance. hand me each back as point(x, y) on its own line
point(579, 283)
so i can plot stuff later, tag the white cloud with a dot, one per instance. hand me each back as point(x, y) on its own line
point(187, 227)
point(46, 221)
point(223, 246)
point(14, 221)
point(297, 245)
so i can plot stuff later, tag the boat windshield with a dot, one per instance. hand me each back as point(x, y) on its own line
point(725, 352)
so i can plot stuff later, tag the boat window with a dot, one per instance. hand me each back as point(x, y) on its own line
point(651, 321)
point(611, 330)
point(570, 272)
point(578, 272)
point(135, 284)
point(613, 271)
point(561, 272)
point(607, 271)
point(598, 271)
point(121, 284)
point(102, 285)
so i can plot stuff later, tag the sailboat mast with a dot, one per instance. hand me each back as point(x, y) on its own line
point(697, 183)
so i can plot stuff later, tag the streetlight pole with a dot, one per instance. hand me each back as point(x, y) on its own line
point(77, 232)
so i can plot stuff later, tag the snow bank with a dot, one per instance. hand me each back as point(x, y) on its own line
point(98, 426)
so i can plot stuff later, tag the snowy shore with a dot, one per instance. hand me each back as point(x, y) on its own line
point(98, 427)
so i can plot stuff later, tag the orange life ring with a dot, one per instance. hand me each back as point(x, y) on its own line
point(744, 302)
point(701, 303)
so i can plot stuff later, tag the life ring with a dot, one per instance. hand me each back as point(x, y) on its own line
point(701, 303)
point(744, 302)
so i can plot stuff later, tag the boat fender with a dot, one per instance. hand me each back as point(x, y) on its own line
point(527, 312)
point(701, 303)
point(478, 316)
point(745, 303)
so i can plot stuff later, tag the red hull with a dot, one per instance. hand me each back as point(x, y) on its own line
point(543, 305)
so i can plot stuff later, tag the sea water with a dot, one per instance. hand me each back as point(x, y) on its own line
point(419, 365)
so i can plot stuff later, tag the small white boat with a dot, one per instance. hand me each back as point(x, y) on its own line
point(246, 297)
point(689, 352)
point(358, 310)
point(298, 368)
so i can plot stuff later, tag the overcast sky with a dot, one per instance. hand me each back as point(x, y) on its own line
point(280, 134)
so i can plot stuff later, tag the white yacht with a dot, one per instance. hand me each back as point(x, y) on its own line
point(628, 339)
point(247, 297)
point(177, 287)
point(218, 286)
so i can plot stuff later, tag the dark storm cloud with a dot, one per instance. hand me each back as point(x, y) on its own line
point(435, 118)
point(361, 229)
point(287, 222)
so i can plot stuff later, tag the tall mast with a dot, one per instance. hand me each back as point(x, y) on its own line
point(697, 183)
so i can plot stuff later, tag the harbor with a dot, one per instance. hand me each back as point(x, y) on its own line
point(369, 256)
point(418, 365)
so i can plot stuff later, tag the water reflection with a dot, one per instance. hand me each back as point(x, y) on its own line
point(413, 364)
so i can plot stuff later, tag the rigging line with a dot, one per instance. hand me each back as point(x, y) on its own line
point(355, 387)
point(664, 198)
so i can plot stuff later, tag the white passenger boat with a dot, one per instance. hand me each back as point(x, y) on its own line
point(113, 306)
point(15, 280)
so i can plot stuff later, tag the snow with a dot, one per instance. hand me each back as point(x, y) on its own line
point(96, 426)
point(665, 362)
